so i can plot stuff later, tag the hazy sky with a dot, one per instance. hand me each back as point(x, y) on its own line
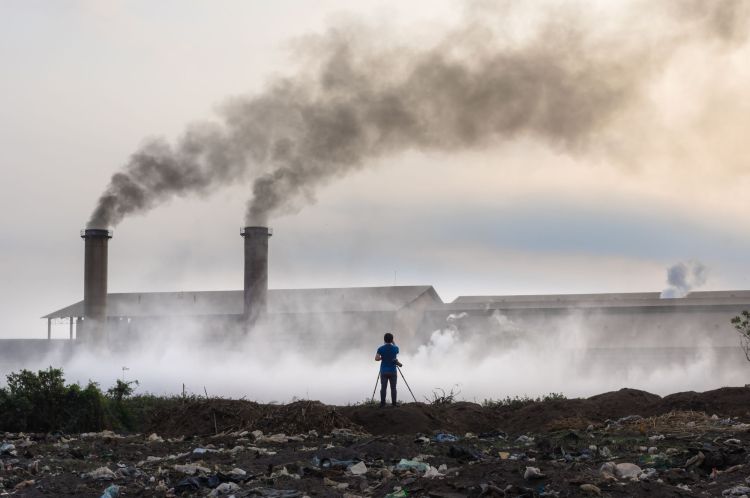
point(85, 83)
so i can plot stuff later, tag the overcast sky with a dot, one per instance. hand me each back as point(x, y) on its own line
point(84, 83)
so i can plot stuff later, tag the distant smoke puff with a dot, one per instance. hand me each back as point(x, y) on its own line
point(684, 277)
point(365, 100)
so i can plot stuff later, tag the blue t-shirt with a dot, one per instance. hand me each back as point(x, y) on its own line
point(388, 353)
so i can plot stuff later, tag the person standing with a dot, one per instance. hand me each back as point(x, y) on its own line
point(387, 356)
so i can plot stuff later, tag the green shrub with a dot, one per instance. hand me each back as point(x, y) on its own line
point(41, 402)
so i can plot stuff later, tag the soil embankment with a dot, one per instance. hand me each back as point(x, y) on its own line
point(220, 415)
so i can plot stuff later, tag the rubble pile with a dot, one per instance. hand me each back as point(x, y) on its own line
point(319, 450)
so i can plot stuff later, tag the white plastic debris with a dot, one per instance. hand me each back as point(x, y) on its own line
point(225, 488)
point(274, 438)
point(154, 438)
point(237, 472)
point(736, 491)
point(191, 469)
point(532, 473)
point(432, 472)
point(627, 470)
point(358, 469)
point(102, 473)
point(8, 449)
point(648, 474)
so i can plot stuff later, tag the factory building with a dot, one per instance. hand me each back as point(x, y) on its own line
point(359, 316)
point(355, 315)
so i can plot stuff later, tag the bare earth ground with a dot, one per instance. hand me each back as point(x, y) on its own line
point(686, 444)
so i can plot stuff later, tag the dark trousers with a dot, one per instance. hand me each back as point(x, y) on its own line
point(385, 378)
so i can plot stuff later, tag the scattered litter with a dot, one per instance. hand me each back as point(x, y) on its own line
point(627, 470)
point(343, 432)
point(397, 494)
point(102, 473)
point(533, 473)
point(237, 473)
point(8, 449)
point(23, 485)
point(590, 489)
point(445, 438)
point(112, 491)
point(463, 453)
point(648, 474)
point(405, 464)
point(620, 470)
point(432, 472)
point(275, 493)
point(153, 438)
point(736, 491)
point(225, 488)
point(191, 469)
point(275, 438)
point(186, 485)
point(696, 460)
point(358, 469)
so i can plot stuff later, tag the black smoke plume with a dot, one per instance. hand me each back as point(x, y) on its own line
point(358, 99)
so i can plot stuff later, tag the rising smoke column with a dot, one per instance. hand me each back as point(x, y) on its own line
point(683, 277)
point(362, 101)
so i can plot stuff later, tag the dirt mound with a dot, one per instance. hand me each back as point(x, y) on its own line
point(727, 401)
point(302, 416)
point(201, 417)
point(624, 402)
point(412, 418)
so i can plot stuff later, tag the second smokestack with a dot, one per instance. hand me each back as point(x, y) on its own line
point(256, 272)
point(95, 284)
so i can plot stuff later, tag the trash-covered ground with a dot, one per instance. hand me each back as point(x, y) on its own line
point(625, 443)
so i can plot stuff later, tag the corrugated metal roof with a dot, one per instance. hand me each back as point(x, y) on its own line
point(339, 300)
point(622, 300)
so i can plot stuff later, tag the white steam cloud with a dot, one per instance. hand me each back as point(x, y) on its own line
point(488, 356)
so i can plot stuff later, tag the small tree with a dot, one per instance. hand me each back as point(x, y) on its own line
point(742, 325)
point(121, 390)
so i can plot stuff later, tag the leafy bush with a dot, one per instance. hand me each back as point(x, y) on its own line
point(42, 402)
point(121, 390)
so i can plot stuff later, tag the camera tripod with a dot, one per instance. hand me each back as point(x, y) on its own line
point(377, 379)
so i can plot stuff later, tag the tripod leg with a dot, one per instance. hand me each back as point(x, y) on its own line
point(375, 388)
point(407, 384)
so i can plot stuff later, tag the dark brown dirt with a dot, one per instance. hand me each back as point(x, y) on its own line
point(566, 450)
point(221, 415)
